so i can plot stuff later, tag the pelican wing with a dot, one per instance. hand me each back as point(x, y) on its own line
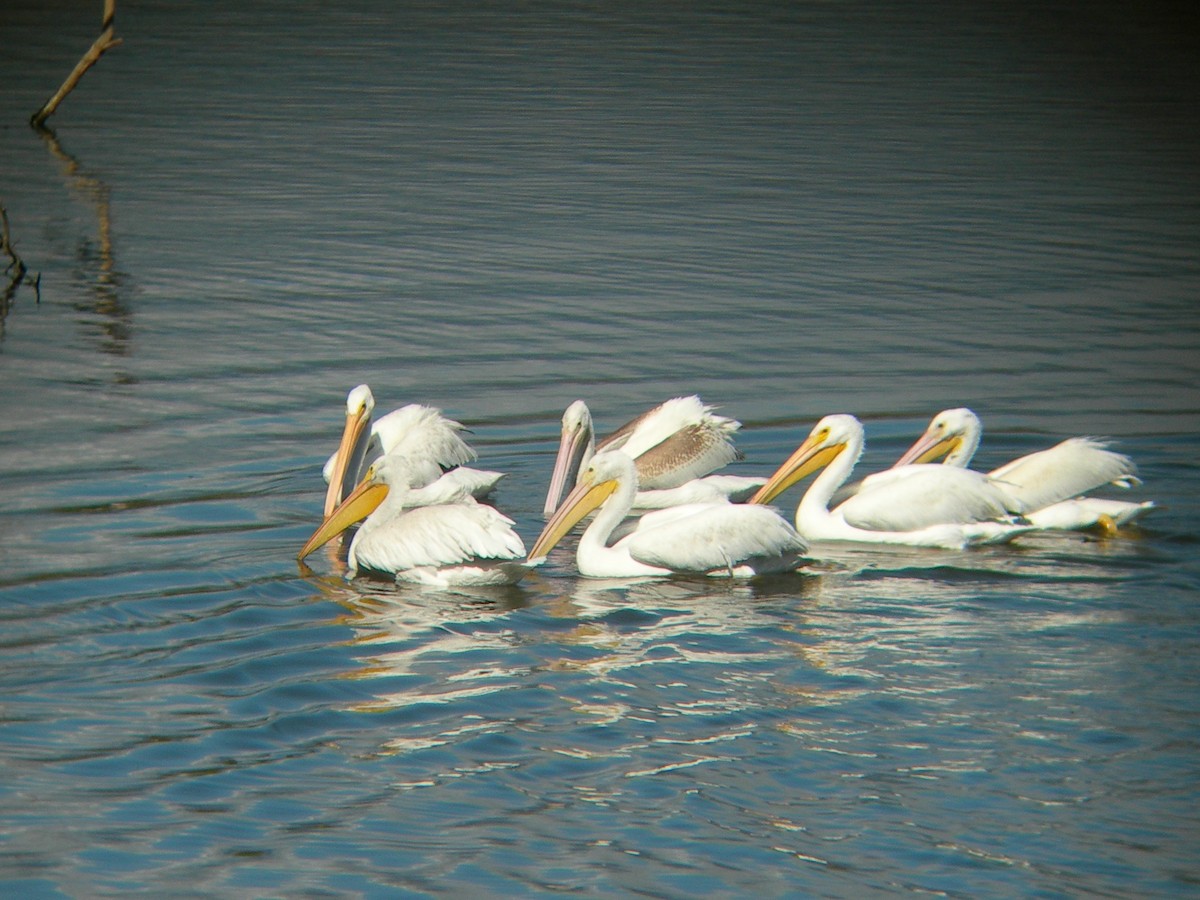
point(456, 486)
point(710, 489)
point(689, 453)
point(736, 488)
point(443, 535)
point(1068, 469)
point(878, 480)
point(1087, 512)
point(642, 432)
point(869, 482)
point(423, 432)
point(675, 442)
point(619, 438)
point(918, 496)
point(704, 537)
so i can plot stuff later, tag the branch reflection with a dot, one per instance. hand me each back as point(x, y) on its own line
point(97, 267)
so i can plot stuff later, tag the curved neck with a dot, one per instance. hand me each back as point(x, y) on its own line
point(393, 504)
point(965, 452)
point(594, 556)
point(612, 512)
point(589, 450)
point(585, 438)
point(815, 502)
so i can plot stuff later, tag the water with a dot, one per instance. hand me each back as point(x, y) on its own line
point(247, 209)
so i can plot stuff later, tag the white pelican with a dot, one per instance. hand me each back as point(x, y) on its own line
point(1049, 483)
point(341, 471)
point(444, 544)
point(919, 505)
point(415, 431)
point(719, 539)
point(673, 446)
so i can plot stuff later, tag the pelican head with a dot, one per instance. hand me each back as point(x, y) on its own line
point(829, 438)
point(953, 433)
point(575, 448)
point(345, 462)
point(360, 400)
point(596, 484)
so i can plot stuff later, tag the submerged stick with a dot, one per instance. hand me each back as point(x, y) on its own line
point(16, 270)
point(6, 247)
point(105, 42)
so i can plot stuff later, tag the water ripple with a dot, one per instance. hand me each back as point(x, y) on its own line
point(790, 210)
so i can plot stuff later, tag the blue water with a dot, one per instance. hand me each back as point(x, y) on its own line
point(246, 209)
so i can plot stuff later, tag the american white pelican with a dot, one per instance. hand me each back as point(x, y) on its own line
point(443, 544)
point(1049, 483)
point(341, 471)
point(673, 446)
point(415, 431)
point(719, 539)
point(919, 505)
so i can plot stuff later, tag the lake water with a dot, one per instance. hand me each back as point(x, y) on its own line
point(792, 210)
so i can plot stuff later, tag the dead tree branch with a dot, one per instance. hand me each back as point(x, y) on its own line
point(105, 42)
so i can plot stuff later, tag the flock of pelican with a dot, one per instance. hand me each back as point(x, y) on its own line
point(660, 510)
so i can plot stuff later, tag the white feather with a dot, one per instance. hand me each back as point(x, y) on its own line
point(1068, 469)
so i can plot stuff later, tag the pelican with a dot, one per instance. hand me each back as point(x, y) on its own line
point(341, 471)
point(673, 446)
point(918, 505)
point(415, 431)
point(1049, 483)
point(444, 544)
point(718, 539)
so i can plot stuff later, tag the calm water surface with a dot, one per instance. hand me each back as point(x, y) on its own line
point(246, 209)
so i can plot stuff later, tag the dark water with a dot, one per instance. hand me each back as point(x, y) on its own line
point(793, 210)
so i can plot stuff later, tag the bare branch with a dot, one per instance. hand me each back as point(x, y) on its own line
point(105, 42)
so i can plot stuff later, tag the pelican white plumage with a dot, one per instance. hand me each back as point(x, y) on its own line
point(443, 544)
point(674, 446)
point(1050, 483)
point(709, 489)
point(917, 505)
point(717, 539)
point(416, 431)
